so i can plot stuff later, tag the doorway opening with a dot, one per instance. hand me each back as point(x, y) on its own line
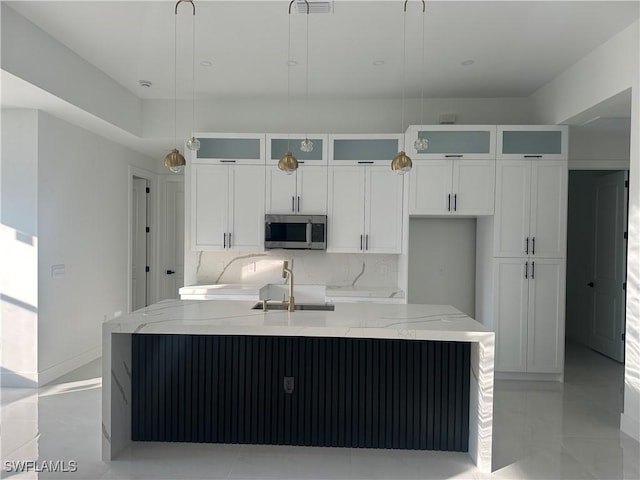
point(140, 243)
point(596, 260)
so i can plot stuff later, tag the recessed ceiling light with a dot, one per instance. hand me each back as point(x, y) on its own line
point(466, 63)
point(206, 63)
point(292, 63)
point(378, 63)
point(144, 83)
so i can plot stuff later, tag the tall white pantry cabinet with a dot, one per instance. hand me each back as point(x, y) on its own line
point(521, 252)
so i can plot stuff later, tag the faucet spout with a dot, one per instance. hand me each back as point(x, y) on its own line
point(286, 271)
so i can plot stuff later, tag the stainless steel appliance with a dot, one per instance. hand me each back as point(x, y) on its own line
point(304, 232)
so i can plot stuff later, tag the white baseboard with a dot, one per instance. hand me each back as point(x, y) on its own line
point(543, 377)
point(630, 426)
point(68, 365)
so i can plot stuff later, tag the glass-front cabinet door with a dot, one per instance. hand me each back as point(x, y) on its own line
point(365, 149)
point(279, 144)
point(230, 148)
point(451, 141)
point(533, 141)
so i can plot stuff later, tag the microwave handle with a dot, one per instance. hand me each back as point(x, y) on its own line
point(308, 233)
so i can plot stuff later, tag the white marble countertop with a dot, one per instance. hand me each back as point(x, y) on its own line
point(349, 320)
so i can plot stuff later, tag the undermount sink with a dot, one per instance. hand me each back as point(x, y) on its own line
point(298, 306)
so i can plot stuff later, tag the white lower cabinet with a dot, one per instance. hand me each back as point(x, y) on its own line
point(364, 210)
point(452, 187)
point(227, 207)
point(528, 311)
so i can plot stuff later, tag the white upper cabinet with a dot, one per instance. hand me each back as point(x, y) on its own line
point(363, 149)
point(230, 148)
point(365, 210)
point(452, 141)
point(227, 207)
point(452, 187)
point(531, 208)
point(304, 191)
point(548, 142)
point(279, 144)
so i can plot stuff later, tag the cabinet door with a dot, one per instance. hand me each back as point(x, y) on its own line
point(546, 316)
point(430, 187)
point(209, 206)
point(246, 210)
point(365, 149)
point(383, 211)
point(548, 224)
point(312, 190)
point(230, 148)
point(473, 187)
point(281, 191)
point(452, 141)
point(345, 229)
point(533, 141)
point(513, 200)
point(510, 314)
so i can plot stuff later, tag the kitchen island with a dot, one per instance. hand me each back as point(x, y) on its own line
point(421, 335)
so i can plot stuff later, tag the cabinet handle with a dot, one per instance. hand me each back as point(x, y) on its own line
point(533, 246)
point(533, 270)
point(526, 269)
point(298, 204)
point(526, 249)
point(449, 202)
point(455, 202)
point(170, 272)
point(293, 203)
point(366, 162)
point(227, 161)
point(229, 240)
point(453, 156)
point(360, 242)
point(224, 240)
point(533, 156)
point(366, 242)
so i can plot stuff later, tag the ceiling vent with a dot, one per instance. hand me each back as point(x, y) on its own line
point(315, 6)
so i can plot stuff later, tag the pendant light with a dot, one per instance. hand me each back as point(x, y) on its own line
point(421, 144)
point(306, 145)
point(401, 163)
point(174, 160)
point(288, 163)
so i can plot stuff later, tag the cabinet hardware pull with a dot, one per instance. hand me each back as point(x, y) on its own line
point(170, 272)
point(526, 269)
point(366, 242)
point(449, 202)
point(526, 250)
point(300, 161)
point(533, 270)
point(229, 240)
point(227, 161)
point(360, 242)
point(455, 202)
point(224, 240)
point(366, 161)
point(533, 156)
point(298, 204)
point(590, 284)
point(293, 203)
point(453, 156)
point(533, 246)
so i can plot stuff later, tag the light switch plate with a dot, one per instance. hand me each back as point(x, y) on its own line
point(57, 270)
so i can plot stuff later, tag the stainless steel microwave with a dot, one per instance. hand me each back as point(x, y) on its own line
point(305, 232)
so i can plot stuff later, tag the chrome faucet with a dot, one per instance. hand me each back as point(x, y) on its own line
point(287, 271)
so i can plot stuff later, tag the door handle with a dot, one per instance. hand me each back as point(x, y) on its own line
point(229, 240)
point(360, 242)
point(170, 272)
point(526, 249)
point(526, 269)
point(449, 202)
point(533, 270)
point(455, 202)
point(366, 242)
point(298, 204)
point(293, 203)
point(533, 246)
point(590, 284)
point(224, 240)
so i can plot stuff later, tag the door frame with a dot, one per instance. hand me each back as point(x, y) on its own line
point(152, 220)
point(162, 212)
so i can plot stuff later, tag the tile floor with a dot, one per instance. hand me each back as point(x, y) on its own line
point(541, 430)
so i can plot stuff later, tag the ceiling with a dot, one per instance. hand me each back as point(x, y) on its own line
point(516, 46)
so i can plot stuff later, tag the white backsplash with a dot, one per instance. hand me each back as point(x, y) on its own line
point(309, 267)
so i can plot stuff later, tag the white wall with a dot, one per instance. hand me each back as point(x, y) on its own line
point(442, 267)
point(593, 148)
point(19, 249)
point(608, 70)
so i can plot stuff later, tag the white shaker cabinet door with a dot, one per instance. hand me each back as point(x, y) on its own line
point(548, 224)
point(209, 206)
point(430, 187)
point(246, 212)
point(281, 191)
point(383, 211)
point(546, 316)
point(510, 314)
point(311, 196)
point(473, 187)
point(345, 229)
point(513, 204)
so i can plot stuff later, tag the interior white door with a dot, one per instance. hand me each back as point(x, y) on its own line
point(172, 273)
point(513, 202)
point(474, 187)
point(548, 225)
point(281, 191)
point(545, 325)
point(430, 187)
point(139, 244)
point(383, 211)
point(608, 297)
point(345, 229)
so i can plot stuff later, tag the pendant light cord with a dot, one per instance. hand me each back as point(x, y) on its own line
point(289, 83)
point(307, 76)
point(422, 72)
point(404, 74)
point(193, 75)
point(175, 77)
